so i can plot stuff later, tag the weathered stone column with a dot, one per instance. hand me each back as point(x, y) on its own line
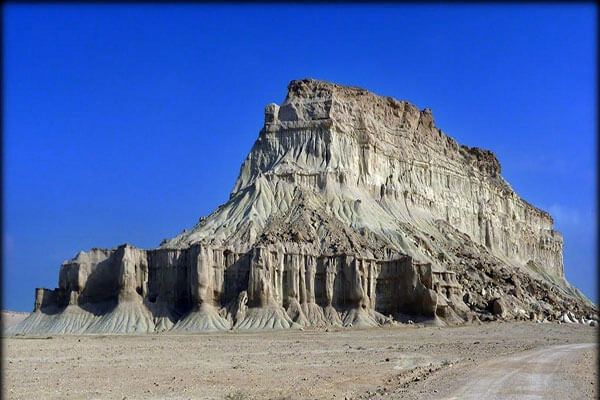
point(218, 275)
point(311, 269)
point(259, 286)
point(302, 269)
point(279, 267)
point(130, 258)
point(200, 278)
point(293, 275)
point(352, 277)
point(330, 273)
point(372, 283)
point(363, 269)
point(39, 299)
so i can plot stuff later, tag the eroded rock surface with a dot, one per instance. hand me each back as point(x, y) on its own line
point(351, 209)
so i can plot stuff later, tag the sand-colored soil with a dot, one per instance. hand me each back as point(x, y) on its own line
point(406, 362)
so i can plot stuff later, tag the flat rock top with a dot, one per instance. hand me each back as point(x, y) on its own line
point(309, 88)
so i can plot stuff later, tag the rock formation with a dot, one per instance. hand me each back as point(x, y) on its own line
point(350, 210)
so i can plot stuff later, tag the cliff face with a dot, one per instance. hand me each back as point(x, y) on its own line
point(375, 162)
point(351, 209)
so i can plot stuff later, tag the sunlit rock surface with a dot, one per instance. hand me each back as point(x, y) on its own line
point(350, 210)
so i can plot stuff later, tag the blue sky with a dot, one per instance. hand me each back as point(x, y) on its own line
point(126, 123)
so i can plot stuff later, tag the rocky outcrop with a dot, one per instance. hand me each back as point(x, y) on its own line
point(351, 209)
point(132, 290)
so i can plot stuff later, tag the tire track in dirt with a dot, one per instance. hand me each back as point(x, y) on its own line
point(530, 375)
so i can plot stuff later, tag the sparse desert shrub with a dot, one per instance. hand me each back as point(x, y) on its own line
point(237, 396)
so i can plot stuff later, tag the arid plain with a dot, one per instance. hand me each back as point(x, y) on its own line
point(490, 360)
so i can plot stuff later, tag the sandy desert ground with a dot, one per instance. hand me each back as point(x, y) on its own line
point(489, 361)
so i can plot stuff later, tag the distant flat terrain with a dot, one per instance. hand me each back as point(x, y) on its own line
point(10, 318)
point(404, 362)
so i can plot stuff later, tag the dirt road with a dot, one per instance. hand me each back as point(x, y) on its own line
point(539, 374)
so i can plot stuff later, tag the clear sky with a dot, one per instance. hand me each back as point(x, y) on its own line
point(126, 123)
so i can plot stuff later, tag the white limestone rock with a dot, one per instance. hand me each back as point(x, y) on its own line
point(349, 207)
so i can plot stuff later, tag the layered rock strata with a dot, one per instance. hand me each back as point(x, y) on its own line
point(351, 210)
